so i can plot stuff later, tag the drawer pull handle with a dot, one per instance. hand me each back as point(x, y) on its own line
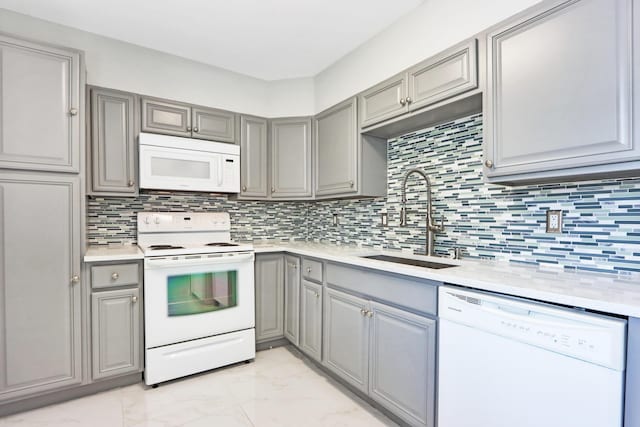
point(115, 276)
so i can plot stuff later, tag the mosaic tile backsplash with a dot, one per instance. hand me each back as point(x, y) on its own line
point(601, 229)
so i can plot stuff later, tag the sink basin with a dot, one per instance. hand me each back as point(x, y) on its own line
point(409, 261)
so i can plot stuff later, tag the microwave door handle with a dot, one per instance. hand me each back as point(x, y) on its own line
point(220, 164)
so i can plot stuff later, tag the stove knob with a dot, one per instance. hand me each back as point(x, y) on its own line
point(157, 220)
point(147, 221)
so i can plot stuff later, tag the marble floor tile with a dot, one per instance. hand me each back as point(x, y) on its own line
point(281, 388)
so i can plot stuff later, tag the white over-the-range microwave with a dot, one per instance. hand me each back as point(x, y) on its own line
point(174, 163)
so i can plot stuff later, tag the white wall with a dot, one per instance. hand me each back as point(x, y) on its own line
point(128, 67)
point(429, 29)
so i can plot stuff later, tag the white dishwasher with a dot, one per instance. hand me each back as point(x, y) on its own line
point(507, 362)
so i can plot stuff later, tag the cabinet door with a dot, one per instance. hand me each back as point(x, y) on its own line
point(559, 94)
point(169, 118)
point(253, 157)
point(292, 299)
point(346, 337)
point(384, 101)
point(115, 332)
point(291, 158)
point(311, 319)
point(40, 329)
point(402, 372)
point(215, 125)
point(40, 110)
point(269, 297)
point(447, 74)
point(114, 163)
point(337, 149)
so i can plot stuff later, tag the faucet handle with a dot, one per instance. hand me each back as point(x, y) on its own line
point(441, 227)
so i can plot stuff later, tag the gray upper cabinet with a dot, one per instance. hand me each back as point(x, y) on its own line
point(40, 326)
point(337, 149)
point(115, 332)
point(346, 337)
point(179, 119)
point(113, 121)
point(215, 125)
point(292, 299)
point(402, 364)
point(170, 118)
point(560, 96)
point(253, 158)
point(40, 111)
point(384, 101)
point(291, 158)
point(445, 75)
point(311, 319)
point(269, 282)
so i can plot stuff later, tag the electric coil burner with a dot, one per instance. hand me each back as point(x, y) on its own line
point(199, 294)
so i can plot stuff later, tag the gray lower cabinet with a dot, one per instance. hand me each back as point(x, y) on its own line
point(115, 332)
point(568, 107)
point(40, 325)
point(179, 119)
point(253, 158)
point(291, 158)
point(292, 299)
point(113, 152)
point(40, 105)
point(347, 164)
point(116, 319)
point(445, 75)
point(269, 283)
point(402, 363)
point(346, 337)
point(387, 353)
point(311, 319)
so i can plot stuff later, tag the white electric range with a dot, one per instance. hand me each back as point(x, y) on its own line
point(198, 294)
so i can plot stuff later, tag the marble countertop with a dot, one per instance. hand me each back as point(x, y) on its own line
point(595, 291)
point(113, 253)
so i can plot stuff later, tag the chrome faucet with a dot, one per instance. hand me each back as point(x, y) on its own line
point(431, 227)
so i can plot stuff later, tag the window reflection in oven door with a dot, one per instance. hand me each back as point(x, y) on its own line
point(192, 297)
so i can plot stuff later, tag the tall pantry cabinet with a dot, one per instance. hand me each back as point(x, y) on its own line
point(41, 217)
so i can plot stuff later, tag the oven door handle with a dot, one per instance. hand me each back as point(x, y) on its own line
point(185, 260)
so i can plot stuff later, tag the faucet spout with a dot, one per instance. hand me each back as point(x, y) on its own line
point(431, 228)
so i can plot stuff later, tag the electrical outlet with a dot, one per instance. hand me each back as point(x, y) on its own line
point(554, 221)
point(384, 219)
point(335, 219)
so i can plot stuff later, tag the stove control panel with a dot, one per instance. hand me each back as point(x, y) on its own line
point(153, 222)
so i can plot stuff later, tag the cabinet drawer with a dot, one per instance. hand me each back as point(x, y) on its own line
point(105, 276)
point(312, 269)
point(406, 291)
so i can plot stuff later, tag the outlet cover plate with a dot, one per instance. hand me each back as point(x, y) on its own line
point(554, 221)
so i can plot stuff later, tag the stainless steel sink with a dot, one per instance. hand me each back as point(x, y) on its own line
point(409, 261)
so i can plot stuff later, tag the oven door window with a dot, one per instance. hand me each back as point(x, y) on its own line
point(197, 293)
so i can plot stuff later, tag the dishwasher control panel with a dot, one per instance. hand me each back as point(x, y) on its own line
point(585, 336)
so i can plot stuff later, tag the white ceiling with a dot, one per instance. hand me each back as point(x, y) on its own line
point(267, 39)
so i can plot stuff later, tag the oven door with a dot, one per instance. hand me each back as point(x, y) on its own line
point(195, 296)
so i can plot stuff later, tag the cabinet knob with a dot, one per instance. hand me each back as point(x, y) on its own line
point(294, 266)
point(369, 313)
point(195, 129)
point(488, 163)
point(134, 299)
point(73, 112)
point(115, 276)
point(130, 183)
point(402, 101)
point(351, 184)
point(409, 100)
point(308, 269)
point(273, 190)
point(244, 188)
point(75, 279)
point(317, 295)
point(363, 311)
point(188, 128)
